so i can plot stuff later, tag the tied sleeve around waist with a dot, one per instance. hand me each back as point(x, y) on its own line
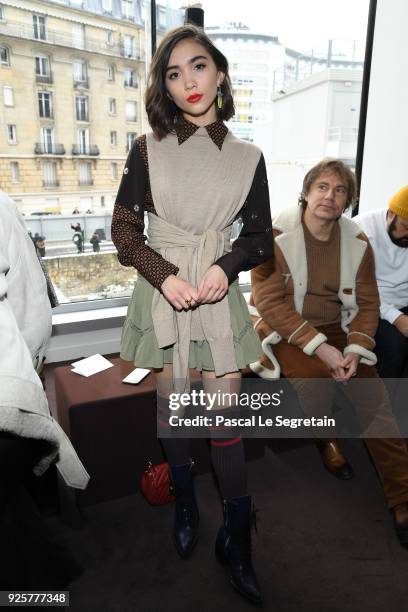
point(193, 255)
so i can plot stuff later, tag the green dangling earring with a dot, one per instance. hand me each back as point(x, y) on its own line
point(220, 96)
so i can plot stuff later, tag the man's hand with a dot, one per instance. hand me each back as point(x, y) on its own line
point(351, 362)
point(179, 293)
point(401, 323)
point(213, 286)
point(334, 360)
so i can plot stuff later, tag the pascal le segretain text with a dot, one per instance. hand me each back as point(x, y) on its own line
point(255, 420)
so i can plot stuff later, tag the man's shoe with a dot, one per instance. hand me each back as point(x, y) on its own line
point(333, 459)
point(233, 547)
point(186, 517)
point(400, 512)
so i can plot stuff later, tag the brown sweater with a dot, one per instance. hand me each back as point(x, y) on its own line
point(321, 305)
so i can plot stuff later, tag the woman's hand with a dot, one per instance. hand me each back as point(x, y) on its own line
point(213, 286)
point(179, 293)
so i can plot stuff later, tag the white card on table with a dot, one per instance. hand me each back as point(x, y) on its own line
point(91, 365)
point(136, 376)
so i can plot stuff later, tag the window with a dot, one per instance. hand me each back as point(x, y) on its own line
point(109, 38)
point(81, 108)
point(47, 138)
point(112, 106)
point(127, 9)
point(114, 138)
point(45, 104)
point(107, 6)
point(130, 139)
point(162, 17)
point(130, 77)
point(80, 71)
point(8, 97)
point(12, 134)
point(1, 12)
point(111, 72)
point(85, 173)
point(39, 27)
point(15, 172)
point(129, 46)
point(4, 56)
point(50, 174)
point(42, 65)
point(78, 35)
point(114, 168)
point(83, 141)
point(131, 111)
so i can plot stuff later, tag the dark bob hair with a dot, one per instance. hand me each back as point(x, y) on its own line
point(324, 167)
point(162, 113)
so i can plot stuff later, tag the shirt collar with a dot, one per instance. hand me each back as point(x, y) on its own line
point(217, 131)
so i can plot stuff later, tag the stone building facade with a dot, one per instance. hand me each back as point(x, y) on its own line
point(72, 81)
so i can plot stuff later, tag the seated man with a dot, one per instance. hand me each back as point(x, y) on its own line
point(387, 231)
point(320, 297)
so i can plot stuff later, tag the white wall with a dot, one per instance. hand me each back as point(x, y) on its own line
point(385, 164)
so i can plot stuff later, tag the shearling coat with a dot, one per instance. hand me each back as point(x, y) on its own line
point(25, 329)
point(280, 285)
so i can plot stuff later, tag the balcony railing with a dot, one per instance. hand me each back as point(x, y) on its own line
point(81, 84)
point(90, 150)
point(17, 29)
point(85, 182)
point(55, 149)
point(49, 184)
point(43, 78)
point(130, 83)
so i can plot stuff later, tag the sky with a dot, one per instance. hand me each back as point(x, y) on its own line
point(299, 24)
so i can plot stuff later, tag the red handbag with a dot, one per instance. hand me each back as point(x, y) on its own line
point(155, 484)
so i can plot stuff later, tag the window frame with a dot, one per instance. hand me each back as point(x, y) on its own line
point(82, 108)
point(42, 104)
point(13, 140)
point(50, 164)
point(112, 106)
point(39, 28)
point(133, 80)
point(48, 138)
point(6, 49)
point(113, 138)
point(9, 90)
point(130, 139)
point(15, 176)
point(39, 61)
point(111, 73)
point(84, 70)
point(88, 179)
point(133, 117)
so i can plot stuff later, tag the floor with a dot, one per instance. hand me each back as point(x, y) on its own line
point(323, 545)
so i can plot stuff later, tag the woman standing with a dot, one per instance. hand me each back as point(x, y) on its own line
point(194, 178)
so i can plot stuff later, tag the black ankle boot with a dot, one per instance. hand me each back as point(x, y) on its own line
point(186, 518)
point(233, 547)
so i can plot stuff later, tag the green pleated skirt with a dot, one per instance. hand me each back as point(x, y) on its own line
point(139, 342)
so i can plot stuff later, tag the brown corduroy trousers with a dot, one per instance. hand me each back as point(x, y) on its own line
point(389, 454)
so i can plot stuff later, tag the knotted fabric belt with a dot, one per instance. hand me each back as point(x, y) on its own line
point(193, 255)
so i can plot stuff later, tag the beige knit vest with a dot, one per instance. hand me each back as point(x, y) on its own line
point(197, 191)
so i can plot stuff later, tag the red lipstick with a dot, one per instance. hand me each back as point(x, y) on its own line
point(194, 98)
